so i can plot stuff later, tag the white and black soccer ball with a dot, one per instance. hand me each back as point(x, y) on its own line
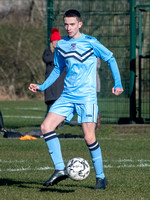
point(78, 169)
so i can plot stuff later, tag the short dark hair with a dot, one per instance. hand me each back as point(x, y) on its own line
point(73, 13)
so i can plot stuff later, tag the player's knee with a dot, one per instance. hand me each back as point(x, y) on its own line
point(44, 128)
point(90, 139)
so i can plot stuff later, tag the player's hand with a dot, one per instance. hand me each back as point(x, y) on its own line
point(117, 91)
point(33, 87)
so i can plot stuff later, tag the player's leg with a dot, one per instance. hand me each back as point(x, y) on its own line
point(96, 155)
point(59, 111)
point(94, 148)
point(48, 129)
point(48, 126)
point(87, 115)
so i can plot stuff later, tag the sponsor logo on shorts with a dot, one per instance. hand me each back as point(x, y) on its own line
point(89, 116)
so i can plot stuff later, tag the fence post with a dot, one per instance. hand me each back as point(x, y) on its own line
point(50, 19)
point(132, 92)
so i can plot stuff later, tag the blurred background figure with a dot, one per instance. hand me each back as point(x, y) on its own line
point(98, 125)
point(1, 122)
point(2, 129)
point(54, 91)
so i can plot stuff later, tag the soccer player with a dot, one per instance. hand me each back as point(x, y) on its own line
point(78, 53)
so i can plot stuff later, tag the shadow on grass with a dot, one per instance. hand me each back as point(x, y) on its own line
point(71, 186)
point(20, 184)
point(56, 190)
point(79, 186)
point(10, 182)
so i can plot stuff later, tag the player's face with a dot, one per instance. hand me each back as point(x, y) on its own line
point(72, 26)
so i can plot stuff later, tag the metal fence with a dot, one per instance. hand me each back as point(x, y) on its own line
point(143, 63)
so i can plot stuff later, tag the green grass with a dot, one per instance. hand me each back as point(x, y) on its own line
point(25, 165)
point(22, 115)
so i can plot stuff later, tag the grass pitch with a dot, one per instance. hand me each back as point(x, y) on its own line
point(25, 165)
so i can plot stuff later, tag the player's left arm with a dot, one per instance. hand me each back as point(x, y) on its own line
point(117, 89)
point(102, 52)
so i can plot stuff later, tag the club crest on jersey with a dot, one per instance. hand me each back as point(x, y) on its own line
point(73, 46)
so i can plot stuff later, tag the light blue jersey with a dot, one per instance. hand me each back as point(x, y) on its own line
point(79, 56)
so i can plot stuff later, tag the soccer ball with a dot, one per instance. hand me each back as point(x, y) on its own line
point(78, 169)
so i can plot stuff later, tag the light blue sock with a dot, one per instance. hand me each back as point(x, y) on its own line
point(96, 155)
point(53, 144)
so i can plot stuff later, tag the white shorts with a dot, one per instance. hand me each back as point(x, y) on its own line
point(86, 112)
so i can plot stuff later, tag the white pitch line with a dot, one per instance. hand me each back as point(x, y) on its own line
point(142, 165)
point(112, 161)
point(12, 161)
point(127, 160)
point(28, 108)
point(23, 108)
point(24, 117)
point(134, 166)
point(27, 169)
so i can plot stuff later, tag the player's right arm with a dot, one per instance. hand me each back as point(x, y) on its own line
point(58, 69)
point(33, 87)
